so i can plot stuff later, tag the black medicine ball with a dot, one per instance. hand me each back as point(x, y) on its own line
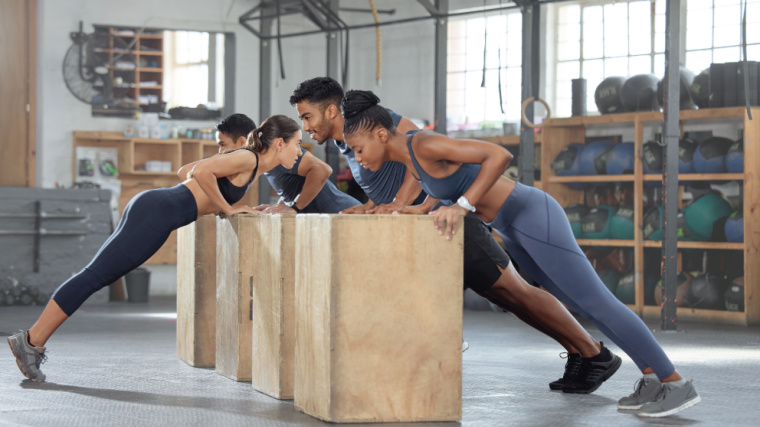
point(700, 89)
point(707, 291)
point(685, 102)
point(651, 155)
point(640, 93)
point(734, 296)
point(608, 95)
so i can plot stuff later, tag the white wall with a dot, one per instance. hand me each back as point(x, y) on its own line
point(59, 113)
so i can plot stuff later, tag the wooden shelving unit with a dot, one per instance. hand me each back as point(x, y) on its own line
point(148, 64)
point(134, 152)
point(558, 133)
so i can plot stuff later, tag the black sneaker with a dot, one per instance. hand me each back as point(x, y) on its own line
point(593, 372)
point(571, 367)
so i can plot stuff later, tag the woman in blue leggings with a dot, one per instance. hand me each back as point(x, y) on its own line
point(211, 186)
point(467, 176)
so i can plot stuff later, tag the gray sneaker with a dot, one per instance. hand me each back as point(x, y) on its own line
point(671, 399)
point(465, 346)
point(28, 358)
point(645, 391)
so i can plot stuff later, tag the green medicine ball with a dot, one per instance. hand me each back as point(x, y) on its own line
point(596, 223)
point(610, 278)
point(621, 224)
point(626, 289)
point(702, 214)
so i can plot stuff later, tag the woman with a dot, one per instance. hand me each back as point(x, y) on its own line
point(468, 176)
point(211, 186)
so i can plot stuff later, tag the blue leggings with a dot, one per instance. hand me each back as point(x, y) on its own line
point(537, 235)
point(146, 223)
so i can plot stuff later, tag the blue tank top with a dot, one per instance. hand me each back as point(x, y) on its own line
point(288, 184)
point(447, 189)
point(381, 186)
point(232, 193)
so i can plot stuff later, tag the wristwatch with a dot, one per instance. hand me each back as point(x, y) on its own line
point(291, 204)
point(463, 202)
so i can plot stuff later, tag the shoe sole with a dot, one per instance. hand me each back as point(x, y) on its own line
point(686, 405)
point(610, 372)
point(18, 362)
point(555, 387)
point(630, 408)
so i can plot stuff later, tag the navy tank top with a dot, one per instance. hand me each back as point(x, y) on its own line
point(231, 192)
point(381, 186)
point(288, 184)
point(447, 189)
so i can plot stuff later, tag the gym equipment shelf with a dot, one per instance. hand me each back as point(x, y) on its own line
point(134, 152)
point(559, 133)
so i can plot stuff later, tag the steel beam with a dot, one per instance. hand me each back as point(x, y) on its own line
point(671, 133)
point(332, 154)
point(433, 10)
point(441, 65)
point(265, 82)
point(531, 71)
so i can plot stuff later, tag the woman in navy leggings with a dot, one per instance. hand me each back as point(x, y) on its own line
point(467, 176)
point(211, 186)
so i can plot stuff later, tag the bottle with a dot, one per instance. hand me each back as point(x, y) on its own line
point(142, 127)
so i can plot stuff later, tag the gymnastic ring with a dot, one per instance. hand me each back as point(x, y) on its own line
point(525, 105)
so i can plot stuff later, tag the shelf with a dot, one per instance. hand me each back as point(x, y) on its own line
point(606, 242)
point(155, 141)
point(158, 87)
point(149, 52)
point(150, 70)
point(697, 245)
point(144, 173)
point(647, 116)
point(700, 177)
point(507, 141)
point(697, 314)
point(592, 178)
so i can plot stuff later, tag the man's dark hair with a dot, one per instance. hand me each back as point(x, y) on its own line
point(319, 90)
point(236, 125)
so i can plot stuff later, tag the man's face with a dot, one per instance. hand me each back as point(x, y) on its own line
point(226, 143)
point(314, 120)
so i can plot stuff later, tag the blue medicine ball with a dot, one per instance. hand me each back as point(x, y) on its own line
point(734, 227)
point(593, 158)
point(567, 163)
point(686, 149)
point(620, 159)
point(710, 156)
point(735, 157)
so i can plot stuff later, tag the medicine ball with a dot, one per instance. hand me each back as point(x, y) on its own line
point(596, 223)
point(610, 278)
point(685, 101)
point(575, 214)
point(707, 291)
point(735, 157)
point(734, 227)
point(651, 156)
point(734, 295)
point(620, 159)
point(567, 163)
point(700, 89)
point(653, 223)
point(702, 213)
point(683, 231)
point(682, 292)
point(608, 95)
point(686, 149)
point(593, 158)
point(640, 93)
point(710, 156)
point(626, 289)
point(621, 226)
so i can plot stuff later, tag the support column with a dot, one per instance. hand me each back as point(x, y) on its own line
point(531, 69)
point(441, 65)
point(265, 83)
point(670, 171)
point(332, 155)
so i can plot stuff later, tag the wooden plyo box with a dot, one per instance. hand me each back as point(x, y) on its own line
point(196, 292)
point(273, 337)
point(234, 306)
point(378, 319)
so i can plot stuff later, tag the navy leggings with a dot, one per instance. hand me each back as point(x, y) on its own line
point(146, 223)
point(537, 235)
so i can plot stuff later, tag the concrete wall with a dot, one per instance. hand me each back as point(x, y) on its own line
point(59, 113)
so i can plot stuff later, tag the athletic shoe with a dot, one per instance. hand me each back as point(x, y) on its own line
point(644, 391)
point(28, 357)
point(465, 346)
point(671, 399)
point(593, 373)
point(572, 366)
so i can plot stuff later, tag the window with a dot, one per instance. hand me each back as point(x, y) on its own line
point(469, 105)
point(194, 55)
point(596, 40)
point(712, 32)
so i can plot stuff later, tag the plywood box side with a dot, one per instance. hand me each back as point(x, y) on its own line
point(227, 280)
point(314, 262)
point(185, 293)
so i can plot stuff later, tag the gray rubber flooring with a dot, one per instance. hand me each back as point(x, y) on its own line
point(116, 365)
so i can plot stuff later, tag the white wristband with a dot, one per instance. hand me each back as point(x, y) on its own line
point(463, 202)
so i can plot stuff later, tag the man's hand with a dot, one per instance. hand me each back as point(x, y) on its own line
point(279, 208)
point(243, 209)
point(262, 207)
point(413, 210)
point(358, 209)
point(387, 208)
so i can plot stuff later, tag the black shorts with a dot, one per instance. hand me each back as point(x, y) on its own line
point(482, 255)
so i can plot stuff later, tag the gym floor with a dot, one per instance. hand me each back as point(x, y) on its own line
point(115, 365)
